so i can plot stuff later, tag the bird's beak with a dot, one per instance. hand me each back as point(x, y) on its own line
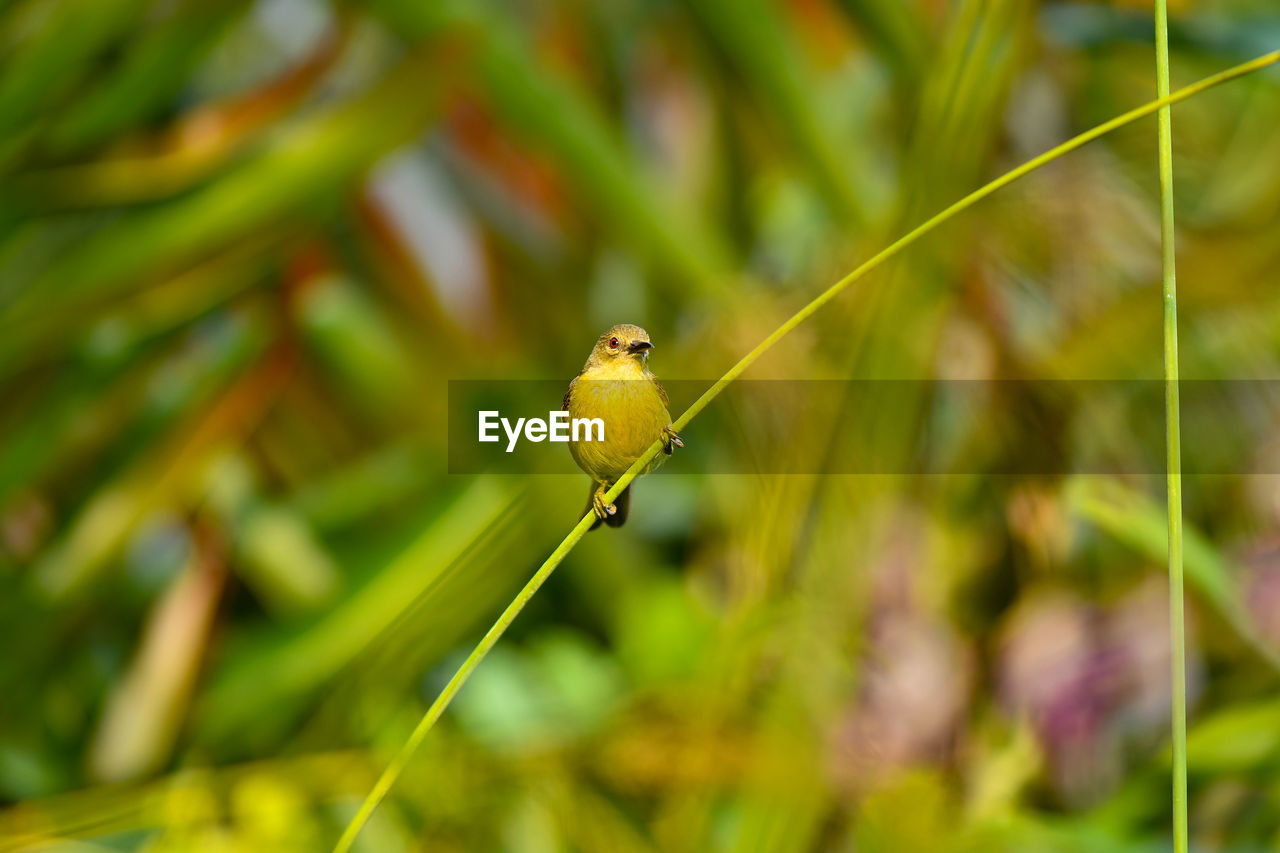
point(639, 346)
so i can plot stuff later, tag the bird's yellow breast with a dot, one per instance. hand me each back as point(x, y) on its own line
point(634, 415)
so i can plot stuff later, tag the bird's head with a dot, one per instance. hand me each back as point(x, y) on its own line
point(622, 342)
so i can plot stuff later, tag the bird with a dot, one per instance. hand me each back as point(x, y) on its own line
point(616, 386)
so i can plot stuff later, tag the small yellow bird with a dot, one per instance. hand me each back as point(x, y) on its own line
point(615, 385)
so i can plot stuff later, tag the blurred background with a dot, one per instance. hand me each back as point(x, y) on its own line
point(245, 245)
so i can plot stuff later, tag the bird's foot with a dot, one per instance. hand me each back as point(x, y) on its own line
point(602, 509)
point(670, 439)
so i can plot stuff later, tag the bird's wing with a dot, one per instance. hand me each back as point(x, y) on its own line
point(662, 392)
point(564, 405)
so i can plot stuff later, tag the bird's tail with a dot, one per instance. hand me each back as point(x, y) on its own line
point(622, 504)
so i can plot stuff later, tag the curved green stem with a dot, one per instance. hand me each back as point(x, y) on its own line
point(1173, 440)
point(397, 765)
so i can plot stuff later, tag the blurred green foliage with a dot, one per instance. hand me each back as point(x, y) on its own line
point(244, 246)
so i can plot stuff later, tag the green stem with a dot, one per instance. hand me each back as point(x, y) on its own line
point(1173, 440)
point(397, 765)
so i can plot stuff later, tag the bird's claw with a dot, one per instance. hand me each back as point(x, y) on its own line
point(602, 509)
point(670, 439)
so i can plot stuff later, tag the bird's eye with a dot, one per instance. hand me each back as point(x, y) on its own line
point(613, 343)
